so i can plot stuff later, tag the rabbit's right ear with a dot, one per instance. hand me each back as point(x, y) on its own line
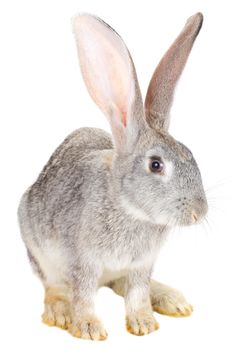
point(110, 77)
point(160, 92)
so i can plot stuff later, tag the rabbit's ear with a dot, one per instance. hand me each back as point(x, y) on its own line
point(162, 85)
point(110, 77)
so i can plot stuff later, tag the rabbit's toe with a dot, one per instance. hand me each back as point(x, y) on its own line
point(57, 314)
point(141, 322)
point(88, 328)
point(171, 302)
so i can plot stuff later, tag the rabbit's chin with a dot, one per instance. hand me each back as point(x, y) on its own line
point(173, 221)
point(184, 220)
point(192, 219)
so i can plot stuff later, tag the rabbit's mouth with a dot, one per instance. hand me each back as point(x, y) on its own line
point(190, 219)
point(192, 214)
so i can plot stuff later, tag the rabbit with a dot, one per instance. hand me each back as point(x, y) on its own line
point(103, 206)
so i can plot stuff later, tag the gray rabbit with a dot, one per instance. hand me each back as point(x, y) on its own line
point(103, 206)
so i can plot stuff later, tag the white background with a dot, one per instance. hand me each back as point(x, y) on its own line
point(43, 99)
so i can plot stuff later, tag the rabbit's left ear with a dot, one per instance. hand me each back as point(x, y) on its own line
point(162, 85)
point(110, 77)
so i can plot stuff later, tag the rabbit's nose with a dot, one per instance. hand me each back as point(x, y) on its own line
point(199, 211)
point(194, 217)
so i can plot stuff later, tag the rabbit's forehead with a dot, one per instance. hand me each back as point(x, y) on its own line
point(171, 152)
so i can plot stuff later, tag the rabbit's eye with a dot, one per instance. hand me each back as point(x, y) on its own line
point(156, 166)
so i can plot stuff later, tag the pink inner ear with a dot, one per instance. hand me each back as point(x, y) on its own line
point(124, 117)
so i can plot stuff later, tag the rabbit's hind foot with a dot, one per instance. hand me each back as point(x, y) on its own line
point(56, 309)
point(169, 301)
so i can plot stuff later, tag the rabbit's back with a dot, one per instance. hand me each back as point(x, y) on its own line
point(71, 152)
point(61, 185)
point(79, 142)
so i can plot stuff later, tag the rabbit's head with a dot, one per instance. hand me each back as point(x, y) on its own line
point(155, 177)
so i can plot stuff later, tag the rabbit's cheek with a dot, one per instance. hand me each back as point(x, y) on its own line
point(136, 212)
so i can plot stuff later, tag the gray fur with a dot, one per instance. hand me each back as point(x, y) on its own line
point(74, 220)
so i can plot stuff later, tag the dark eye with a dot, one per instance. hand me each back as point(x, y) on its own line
point(156, 165)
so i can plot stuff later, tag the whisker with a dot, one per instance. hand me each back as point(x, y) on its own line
point(206, 223)
point(218, 197)
point(219, 183)
point(214, 208)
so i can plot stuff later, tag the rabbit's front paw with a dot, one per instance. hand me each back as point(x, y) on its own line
point(88, 328)
point(141, 322)
point(171, 302)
